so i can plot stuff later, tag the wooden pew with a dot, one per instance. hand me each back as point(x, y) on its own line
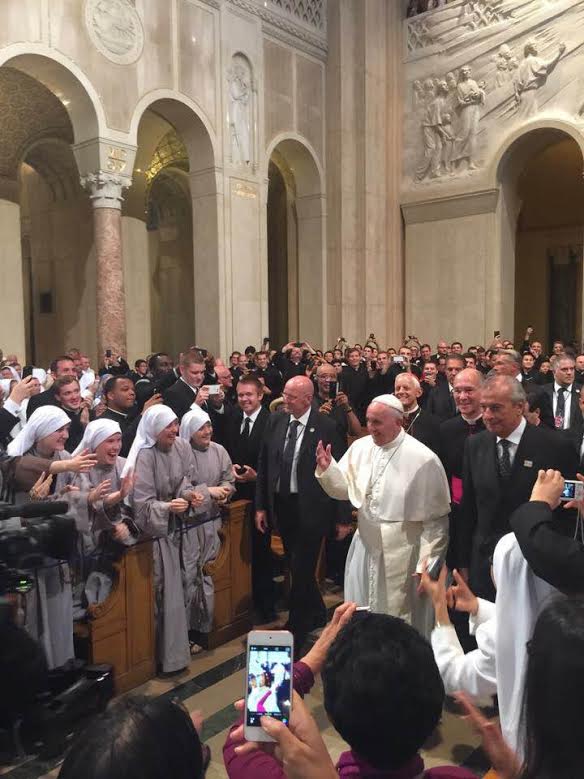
point(231, 573)
point(121, 631)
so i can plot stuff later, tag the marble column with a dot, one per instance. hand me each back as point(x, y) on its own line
point(105, 192)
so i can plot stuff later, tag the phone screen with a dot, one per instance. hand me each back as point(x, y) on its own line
point(332, 390)
point(268, 683)
point(569, 492)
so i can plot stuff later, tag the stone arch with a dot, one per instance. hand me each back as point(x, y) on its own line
point(515, 157)
point(64, 79)
point(295, 157)
point(200, 178)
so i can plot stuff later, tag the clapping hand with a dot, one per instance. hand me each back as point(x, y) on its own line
point(323, 456)
point(42, 487)
point(118, 496)
point(98, 493)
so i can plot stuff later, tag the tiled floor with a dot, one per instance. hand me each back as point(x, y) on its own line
point(215, 680)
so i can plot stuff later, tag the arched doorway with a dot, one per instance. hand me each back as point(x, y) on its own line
point(296, 238)
point(175, 231)
point(542, 231)
point(47, 289)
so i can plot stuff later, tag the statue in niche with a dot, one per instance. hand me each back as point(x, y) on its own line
point(240, 103)
point(436, 132)
point(532, 74)
point(505, 63)
point(470, 96)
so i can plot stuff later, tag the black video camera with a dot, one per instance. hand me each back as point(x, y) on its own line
point(45, 533)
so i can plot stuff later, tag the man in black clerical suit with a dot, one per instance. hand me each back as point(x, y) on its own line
point(61, 366)
point(354, 382)
point(453, 435)
point(289, 493)
point(500, 469)
point(563, 395)
point(120, 400)
point(441, 399)
point(270, 375)
point(292, 360)
point(244, 432)
point(161, 376)
point(418, 423)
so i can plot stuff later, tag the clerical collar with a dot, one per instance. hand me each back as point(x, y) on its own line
point(470, 421)
point(115, 411)
point(412, 411)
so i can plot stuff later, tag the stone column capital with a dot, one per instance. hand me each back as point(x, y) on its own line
point(105, 189)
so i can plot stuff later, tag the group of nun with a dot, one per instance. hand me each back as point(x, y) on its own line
point(170, 490)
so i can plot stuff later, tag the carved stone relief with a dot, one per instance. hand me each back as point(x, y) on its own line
point(526, 59)
point(115, 29)
point(241, 104)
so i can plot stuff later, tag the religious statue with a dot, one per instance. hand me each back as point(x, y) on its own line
point(533, 74)
point(436, 131)
point(470, 96)
point(505, 63)
point(240, 97)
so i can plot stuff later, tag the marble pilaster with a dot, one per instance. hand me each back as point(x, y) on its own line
point(105, 192)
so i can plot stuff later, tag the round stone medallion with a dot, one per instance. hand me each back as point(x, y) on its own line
point(115, 29)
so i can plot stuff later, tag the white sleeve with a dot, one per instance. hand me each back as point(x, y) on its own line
point(474, 673)
point(333, 481)
point(485, 612)
point(433, 540)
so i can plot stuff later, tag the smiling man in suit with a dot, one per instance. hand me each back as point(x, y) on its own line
point(288, 492)
point(500, 468)
point(441, 401)
point(244, 434)
point(561, 397)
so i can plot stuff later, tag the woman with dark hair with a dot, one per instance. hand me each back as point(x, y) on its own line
point(138, 738)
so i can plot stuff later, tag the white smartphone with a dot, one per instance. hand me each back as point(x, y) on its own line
point(270, 655)
point(573, 490)
point(214, 389)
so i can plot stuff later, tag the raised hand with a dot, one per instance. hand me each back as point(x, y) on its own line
point(42, 487)
point(323, 456)
point(99, 493)
point(81, 463)
point(460, 597)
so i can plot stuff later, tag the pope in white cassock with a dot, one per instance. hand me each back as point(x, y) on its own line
point(401, 492)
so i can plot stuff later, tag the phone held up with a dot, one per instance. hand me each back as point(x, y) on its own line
point(270, 656)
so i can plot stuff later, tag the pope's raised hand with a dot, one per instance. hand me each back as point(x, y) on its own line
point(323, 456)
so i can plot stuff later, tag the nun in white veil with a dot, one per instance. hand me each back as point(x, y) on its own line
point(502, 631)
point(162, 495)
point(213, 476)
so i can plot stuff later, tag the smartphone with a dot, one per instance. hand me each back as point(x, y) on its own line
point(27, 371)
point(298, 344)
point(573, 490)
point(373, 365)
point(108, 352)
point(398, 359)
point(214, 389)
point(270, 655)
point(433, 568)
point(240, 469)
point(333, 386)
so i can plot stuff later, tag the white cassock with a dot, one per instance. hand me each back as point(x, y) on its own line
point(402, 496)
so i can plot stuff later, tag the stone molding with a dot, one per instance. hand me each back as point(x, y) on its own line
point(481, 202)
point(105, 189)
point(283, 22)
point(115, 29)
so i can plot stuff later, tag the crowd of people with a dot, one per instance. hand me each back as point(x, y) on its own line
point(390, 459)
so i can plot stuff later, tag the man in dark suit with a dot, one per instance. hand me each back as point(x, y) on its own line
point(441, 399)
point(354, 382)
point(244, 433)
point(61, 366)
point(418, 423)
point(288, 491)
point(189, 387)
point(11, 406)
point(500, 469)
point(292, 360)
point(270, 376)
point(561, 397)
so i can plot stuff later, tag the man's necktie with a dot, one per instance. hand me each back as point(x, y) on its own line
point(505, 459)
point(246, 427)
point(288, 458)
point(560, 408)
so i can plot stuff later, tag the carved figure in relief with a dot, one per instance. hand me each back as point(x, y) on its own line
point(435, 134)
point(470, 96)
point(419, 99)
point(114, 24)
point(239, 80)
point(532, 74)
point(483, 13)
point(506, 63)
